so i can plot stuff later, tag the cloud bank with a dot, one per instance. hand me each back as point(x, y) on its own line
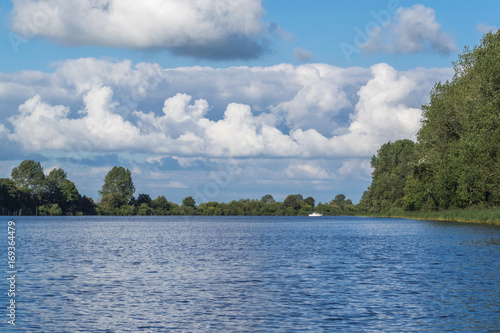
point(306, 111)
point(225, 29)
point(282, 126)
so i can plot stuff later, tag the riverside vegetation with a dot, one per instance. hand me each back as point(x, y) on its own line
point(452, 172)
point(30, 192)
point(454, 167)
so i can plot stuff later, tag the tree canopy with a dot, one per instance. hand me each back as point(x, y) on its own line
point(456, 160)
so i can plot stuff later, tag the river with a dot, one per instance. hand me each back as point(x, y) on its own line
point(251, 274)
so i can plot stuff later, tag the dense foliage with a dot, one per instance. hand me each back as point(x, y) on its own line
point(30, 192)
point(456, 160)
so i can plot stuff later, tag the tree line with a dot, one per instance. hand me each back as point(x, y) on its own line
point(455, 162)
point(30, 192)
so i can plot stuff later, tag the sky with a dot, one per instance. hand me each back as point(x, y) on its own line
point(227, 99)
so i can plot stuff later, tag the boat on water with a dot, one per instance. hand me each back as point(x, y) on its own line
point(315, 214)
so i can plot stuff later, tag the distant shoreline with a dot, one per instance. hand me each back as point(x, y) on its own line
point(489, 216)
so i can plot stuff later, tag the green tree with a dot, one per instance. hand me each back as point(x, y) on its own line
point(144, 209)
point(143, 198)
point(110, 204)
point(118, 183)
point(189, 202)
point(9, 201)
point(28, 175)
point(460, 135)
point(161, 206)
point(70, 198)
point(52, 183)
point(29, 179)
point(391, 166)
point(87, 206)
point(340, 200)
point(310, 201)
point(268, 198)
point(292, 202)
point(50, 210)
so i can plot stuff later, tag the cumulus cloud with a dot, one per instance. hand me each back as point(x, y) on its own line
point(412, 30)
point(200, 28)
point(306, 112)
point(306, 170)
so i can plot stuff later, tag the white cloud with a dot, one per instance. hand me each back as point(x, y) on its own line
point(412, 30)
point(307, 170)
point(40, 126)
point(309, 111)
point(485, 28)
point(191, 27)
point(3, 131)
point(357, 168)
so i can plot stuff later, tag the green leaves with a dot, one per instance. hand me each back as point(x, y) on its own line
point(455, 163)
point(118, 182)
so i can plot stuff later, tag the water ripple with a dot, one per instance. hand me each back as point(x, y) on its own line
point(268, 274)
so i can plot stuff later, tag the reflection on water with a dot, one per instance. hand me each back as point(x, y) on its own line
point(255, 274)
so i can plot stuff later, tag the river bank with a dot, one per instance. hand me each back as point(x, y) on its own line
point(469, 215)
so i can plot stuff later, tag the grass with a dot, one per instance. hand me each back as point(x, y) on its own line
point(469, 215)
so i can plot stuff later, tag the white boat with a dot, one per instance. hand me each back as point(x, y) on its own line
point(315, 214)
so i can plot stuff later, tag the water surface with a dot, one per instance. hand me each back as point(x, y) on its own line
point(253, 274)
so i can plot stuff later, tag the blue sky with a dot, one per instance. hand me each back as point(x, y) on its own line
point(223, 100)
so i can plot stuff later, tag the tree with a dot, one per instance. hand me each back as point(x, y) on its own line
point(340, 200)
point(70, 197)
point(161, 206)
point(52, 186)
point(292, 202)
point(310, 201)
point(267, 199)
point(50, 209)
point(456, 161)
point(110, 204)
point(118, 182)
point(189, 202)
point(393, 163)
point(460, 135)
point(144, 209)
point(29, 179)
point(87, 206)
point(28, 175)
point(143, 198)
point(8, 196)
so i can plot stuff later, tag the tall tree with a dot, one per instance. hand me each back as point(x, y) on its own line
point(118, 183)
point(310, 201)
point(70, 198)
point(189, 202)
point(8, 197)
point(52, 186)
point(28, 176)
point(29, 180)
point(460, 134)
point(268, 198)
point(340, 200)
point(391, 166)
